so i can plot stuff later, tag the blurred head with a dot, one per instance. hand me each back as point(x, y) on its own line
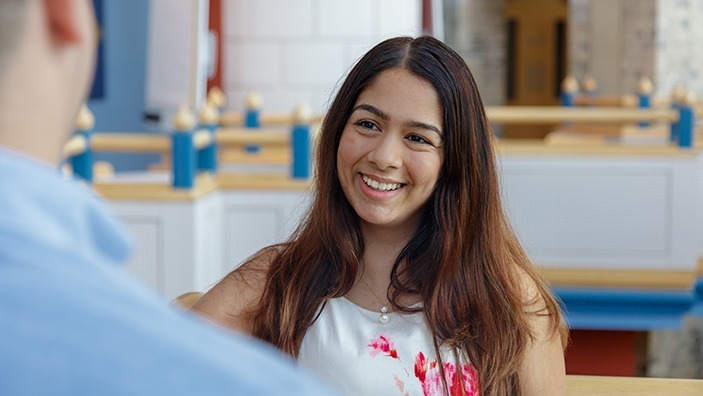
point(12, 18)
point(47, 55)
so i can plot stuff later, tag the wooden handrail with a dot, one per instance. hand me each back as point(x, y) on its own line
point(136, 143)
point(240, 136)
point(266, 119)
point(555, 114)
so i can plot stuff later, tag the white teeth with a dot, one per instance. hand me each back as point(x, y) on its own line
point(380, 186)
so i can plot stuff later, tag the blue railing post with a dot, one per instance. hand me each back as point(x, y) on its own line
point(82, 164)
point(569, 89)
point(644, 95)
point(676, 98)
point(686, 127)
point(183, 150)
point(207, 156)
point(300, 143)
point(252, 117)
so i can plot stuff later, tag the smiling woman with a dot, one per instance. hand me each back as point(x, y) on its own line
point(405, 277)
point(390, 152)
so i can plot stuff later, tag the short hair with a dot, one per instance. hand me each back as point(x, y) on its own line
point(12, 19)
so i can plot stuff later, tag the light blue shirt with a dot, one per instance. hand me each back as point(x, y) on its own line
point(72, 322)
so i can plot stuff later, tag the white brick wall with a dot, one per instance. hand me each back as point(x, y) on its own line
point(346, 19)
point(312, 64)
point(264, 71)
point(298, 50)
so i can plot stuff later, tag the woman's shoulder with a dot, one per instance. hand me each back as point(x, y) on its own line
point(231, 301)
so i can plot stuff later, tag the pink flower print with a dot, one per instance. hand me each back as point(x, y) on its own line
point(470, 379)
point(429, 376)
point(421, 367)
point(452, 379)
point(383, 345)
point(401, 385)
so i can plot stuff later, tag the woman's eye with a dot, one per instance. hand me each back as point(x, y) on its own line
point(367, 125)
point(418, 139)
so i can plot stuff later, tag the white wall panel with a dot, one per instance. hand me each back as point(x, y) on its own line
point(279, 18)
point(312, 64)
point(346, 18)
point(265, 72)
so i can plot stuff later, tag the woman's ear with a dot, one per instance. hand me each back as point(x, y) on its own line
point(63, 21)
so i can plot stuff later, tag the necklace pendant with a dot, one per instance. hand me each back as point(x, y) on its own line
point(384, 318)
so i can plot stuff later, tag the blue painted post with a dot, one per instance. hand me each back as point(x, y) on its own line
point(207, 156)
point(686, 128)
point(183, 150)
point(82, 164)
point(569, 89)
point(300, 143)
point(644, 94)
point(676, 98)
point(252, 117)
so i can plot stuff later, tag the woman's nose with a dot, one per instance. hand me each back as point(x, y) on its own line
point(387, 153)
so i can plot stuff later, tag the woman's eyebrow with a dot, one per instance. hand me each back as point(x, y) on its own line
point(384, 116)
point(373, 110)
point(422, 125)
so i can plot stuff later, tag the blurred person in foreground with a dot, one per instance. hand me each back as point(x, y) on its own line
point(73, 322)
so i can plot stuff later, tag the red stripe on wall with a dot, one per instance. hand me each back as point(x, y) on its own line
point(215, 25)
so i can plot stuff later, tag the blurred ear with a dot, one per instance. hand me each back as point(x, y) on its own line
point(62, 19)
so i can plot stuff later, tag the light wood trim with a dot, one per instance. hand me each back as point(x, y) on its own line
point(268, 155)
point(187, 300)
point(244, 181)
point(615, 130)
point(555, 114)
point(591, 277)
point(231, 119)
point(287, 119)
point(74, 146)
point(700, 268)
point(582, 385)
point(607, 101)
point(204, 185)
point(266, 119)
point(138, 143)
point(535, 147)
point(242, 136)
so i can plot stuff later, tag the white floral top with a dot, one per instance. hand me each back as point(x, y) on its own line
point(357, 355)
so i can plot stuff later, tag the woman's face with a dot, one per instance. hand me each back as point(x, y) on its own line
point(392, 149)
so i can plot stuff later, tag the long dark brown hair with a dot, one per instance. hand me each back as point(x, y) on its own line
point(464, 260)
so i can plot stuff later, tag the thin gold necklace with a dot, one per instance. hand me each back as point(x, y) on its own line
point(384, 317)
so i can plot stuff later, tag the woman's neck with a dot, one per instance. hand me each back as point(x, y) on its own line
point(381, 249)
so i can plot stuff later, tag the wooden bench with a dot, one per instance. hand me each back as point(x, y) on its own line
point(580, 385)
